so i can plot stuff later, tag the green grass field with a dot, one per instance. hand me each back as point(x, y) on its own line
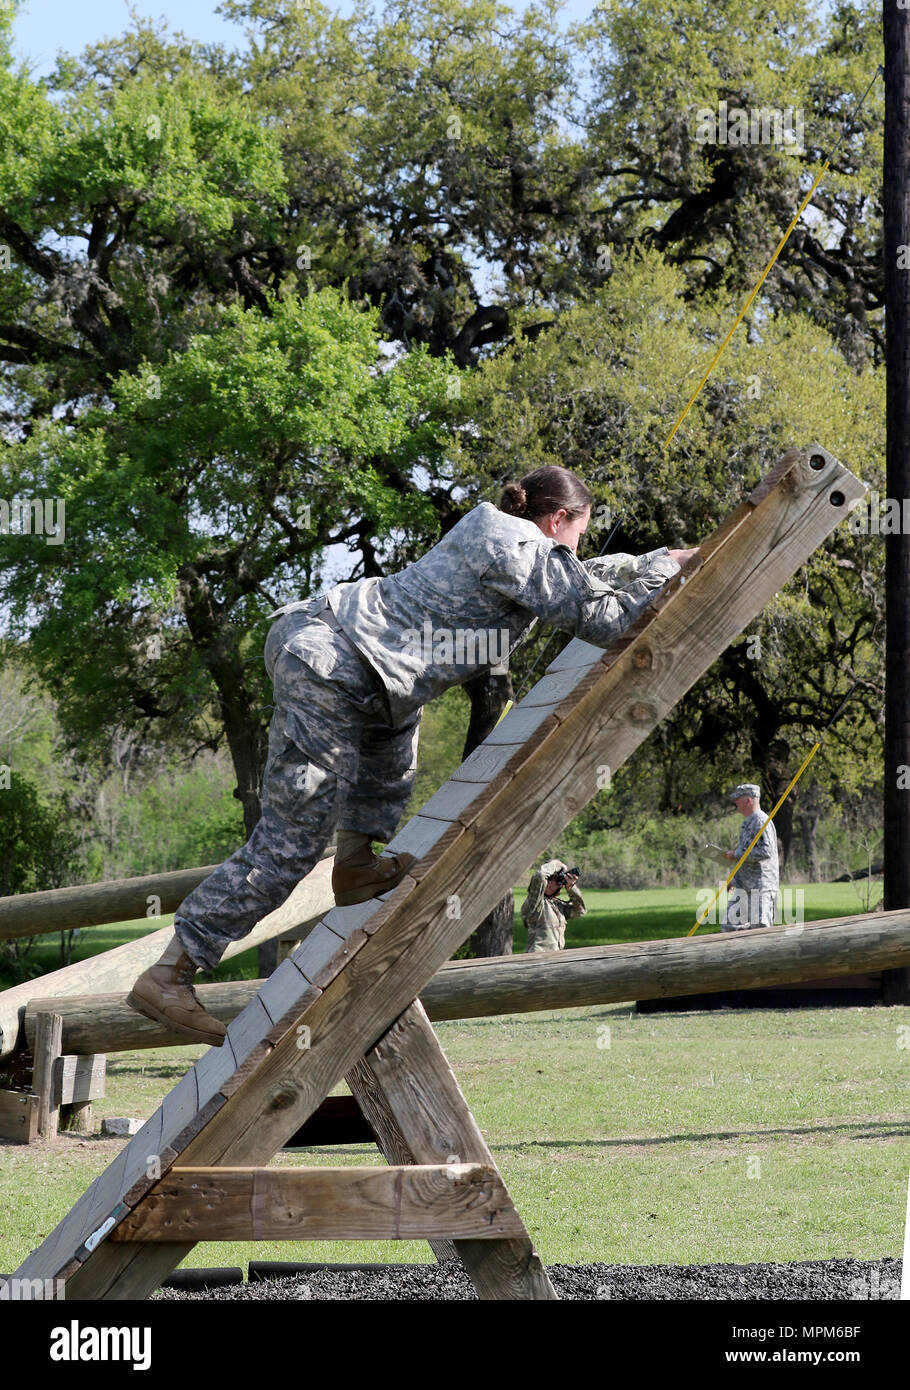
point(677, 1138)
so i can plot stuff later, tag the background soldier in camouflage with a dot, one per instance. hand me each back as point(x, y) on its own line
point(753, 896)
point(350, 683)
point(544, 914)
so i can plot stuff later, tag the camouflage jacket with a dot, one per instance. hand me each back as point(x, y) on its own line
point(760, 869)
point(545, 918)
point(464, 605)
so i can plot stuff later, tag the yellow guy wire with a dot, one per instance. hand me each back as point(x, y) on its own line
point(741, 315)
point(738, 320)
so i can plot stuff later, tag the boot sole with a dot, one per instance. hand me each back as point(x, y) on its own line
point(366, 895)
point(155, 1015)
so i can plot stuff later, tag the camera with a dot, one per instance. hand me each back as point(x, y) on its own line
point(562, 876)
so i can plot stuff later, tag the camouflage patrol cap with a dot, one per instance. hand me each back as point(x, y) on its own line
point(745, 789)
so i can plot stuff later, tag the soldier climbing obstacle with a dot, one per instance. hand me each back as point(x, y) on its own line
point(350, 685)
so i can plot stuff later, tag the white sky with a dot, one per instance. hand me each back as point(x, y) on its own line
point(44, 27)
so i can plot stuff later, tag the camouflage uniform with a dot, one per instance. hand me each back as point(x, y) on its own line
point(753, 893)
point(333, 758)
point(352, 670)
point(545, 918)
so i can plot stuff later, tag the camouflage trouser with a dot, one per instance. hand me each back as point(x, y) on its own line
point(750, 907)
point(334, 760)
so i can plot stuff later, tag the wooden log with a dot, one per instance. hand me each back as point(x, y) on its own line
point(410, 1095)
point(18, 1116)
point(556, 980)
point(116, 970)
point(409, 1203)
point(94, 904)
point(678, 966)
point(48, 1049)
point(527, 794)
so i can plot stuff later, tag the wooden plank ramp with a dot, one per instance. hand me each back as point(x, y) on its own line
point(329, 1007)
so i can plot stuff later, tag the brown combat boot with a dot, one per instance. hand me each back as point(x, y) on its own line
point(165, 994)
point(365, 875)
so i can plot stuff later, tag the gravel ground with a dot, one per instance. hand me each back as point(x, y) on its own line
point(810, 1279)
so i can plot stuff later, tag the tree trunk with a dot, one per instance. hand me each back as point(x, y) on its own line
point(896, 206)
point(489, 694)
point(808, 823)
point(779, 775)
point(215, 640)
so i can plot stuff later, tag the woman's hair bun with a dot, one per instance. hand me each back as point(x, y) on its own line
point(514, 499)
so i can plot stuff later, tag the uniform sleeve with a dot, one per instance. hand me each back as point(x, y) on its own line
point(538, 884)
point(620, 569)
point(764, 849)
point(576, 904)
point(552, 583)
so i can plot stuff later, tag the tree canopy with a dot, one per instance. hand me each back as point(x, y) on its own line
point(286, 311)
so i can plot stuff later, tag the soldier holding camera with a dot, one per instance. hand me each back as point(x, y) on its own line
point(544, 913)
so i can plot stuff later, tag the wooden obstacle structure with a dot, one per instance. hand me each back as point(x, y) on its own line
point(345, 1005)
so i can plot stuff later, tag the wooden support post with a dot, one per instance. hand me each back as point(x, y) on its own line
point(48, 1049)
point(371, 1102)
point(76, 1118)
point(407, 1079)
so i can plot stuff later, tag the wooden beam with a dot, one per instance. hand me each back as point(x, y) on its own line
point(834, 948)
point(48, 1049)
point(412, 1099)
point(18, 1116)
point(359, 970)
point(409, 1203)
point(115, 970)
point(80, 1079)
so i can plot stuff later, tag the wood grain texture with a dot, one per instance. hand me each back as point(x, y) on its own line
point(408, 1091)
point(356, 1203)
point(48, 1050)
point(93, 904)
point(575, 655)
point(79, 1079)
point(520, 723)
point(18, 1116)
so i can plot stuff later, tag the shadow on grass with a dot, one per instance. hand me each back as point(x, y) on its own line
point(859, 1129)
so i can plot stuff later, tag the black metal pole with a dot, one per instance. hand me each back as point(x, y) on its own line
point(896, 209)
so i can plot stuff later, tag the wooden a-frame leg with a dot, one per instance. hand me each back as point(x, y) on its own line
point(409, 1094)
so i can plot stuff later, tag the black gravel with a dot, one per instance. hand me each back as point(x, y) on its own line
point(809, 1279)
